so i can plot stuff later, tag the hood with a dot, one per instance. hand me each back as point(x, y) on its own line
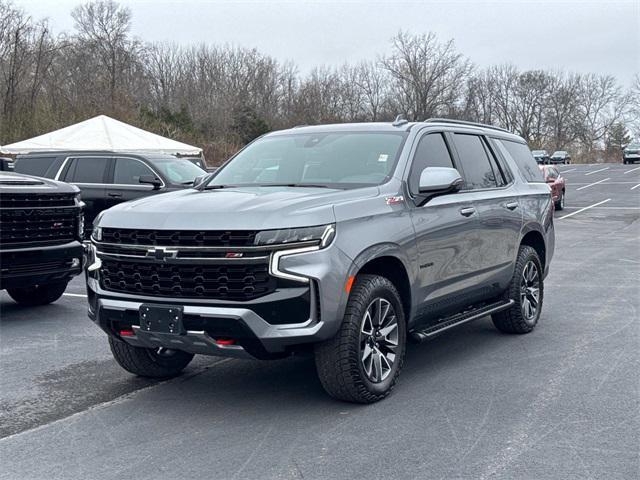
point(241, 208)
point(11, 182)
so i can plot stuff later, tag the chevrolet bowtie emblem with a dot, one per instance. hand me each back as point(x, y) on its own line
point(161, 253)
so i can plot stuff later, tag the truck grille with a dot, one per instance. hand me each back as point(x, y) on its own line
point(223, 282)
point(23, 227)
point(30, 200)
point(185, 238)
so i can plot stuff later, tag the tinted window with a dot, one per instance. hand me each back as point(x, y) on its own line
point(475, 162)
point(432, 151)
point(521, 155)
point(37, 166)
point(128, 171)
point(87, 170)
point(333, 159)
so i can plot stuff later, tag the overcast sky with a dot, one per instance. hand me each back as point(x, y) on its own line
point(584, 36)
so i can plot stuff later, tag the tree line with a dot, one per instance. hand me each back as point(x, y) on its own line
point(220, 97)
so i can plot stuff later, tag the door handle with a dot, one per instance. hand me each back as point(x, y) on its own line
point(511, 205)
point(115, 195)
point(467, 211)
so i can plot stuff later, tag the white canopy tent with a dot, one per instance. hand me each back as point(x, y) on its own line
point(101, 133)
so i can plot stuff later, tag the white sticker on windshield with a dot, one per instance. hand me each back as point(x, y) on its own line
point(383, 157)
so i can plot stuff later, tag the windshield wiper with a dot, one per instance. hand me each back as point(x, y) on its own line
point(217, 187)
point(302, 185)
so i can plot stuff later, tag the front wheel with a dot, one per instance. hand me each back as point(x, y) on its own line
point(149, 362)
point(38, 294)
point(361, 363)
point(526, 290)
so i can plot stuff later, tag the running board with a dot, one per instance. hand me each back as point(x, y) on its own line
point(459, 319)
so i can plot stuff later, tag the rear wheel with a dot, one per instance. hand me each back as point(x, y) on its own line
point(149, 362)
point(527, 291)
point(38, 294)
point(560, 202)
point(361, 363)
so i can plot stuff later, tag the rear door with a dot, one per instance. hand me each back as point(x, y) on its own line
point(89, 174)
point(500, 216)
point(124, 181)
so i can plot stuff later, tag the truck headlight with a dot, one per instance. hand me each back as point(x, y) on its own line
point(97, 234)
point(321, 235)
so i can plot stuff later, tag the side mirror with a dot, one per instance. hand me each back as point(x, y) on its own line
point(198, 180)
point(150, 180)
point(439, 181)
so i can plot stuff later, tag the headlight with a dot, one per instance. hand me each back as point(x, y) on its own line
point(322, 235)
point(97, 233)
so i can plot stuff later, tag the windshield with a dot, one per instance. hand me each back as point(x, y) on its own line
point(634, 146)
point(334, 160)
point(559, 153)
point(178, 171)
point(538, 152)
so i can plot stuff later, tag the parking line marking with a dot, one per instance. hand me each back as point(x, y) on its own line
point(596, 171)
point(636, 186)
point(585, 208)
point(81, 295)
point(570, 170)
point(632, 170)
point(592, 184)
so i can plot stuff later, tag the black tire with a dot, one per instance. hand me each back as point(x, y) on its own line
point(339, 360)
point(560, 203)
point(38, 294)
point(147, 362)
point(514, 320)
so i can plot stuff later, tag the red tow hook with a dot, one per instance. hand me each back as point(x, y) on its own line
point(225, 341)
point(127, 332)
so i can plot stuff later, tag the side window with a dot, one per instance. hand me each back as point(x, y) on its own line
point(87, 170)
point(432, 151)
point(129, 170)
point(39, 166)
point(478, 172)
point(523, 158)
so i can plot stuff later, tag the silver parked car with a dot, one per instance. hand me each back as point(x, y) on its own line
point(343, 241)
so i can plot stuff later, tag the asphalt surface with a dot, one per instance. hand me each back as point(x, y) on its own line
point(561, 402)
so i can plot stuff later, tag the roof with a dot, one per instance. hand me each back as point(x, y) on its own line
point(403, 127)
point(101, 133)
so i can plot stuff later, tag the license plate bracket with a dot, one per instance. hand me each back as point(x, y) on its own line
point(162, 319)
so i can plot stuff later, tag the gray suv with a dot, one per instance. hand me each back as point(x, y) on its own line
point(343, 241)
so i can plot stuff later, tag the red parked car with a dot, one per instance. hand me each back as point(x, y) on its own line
point(556, 182)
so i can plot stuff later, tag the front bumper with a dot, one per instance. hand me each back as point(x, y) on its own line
point(268, 327)
point(26, 267)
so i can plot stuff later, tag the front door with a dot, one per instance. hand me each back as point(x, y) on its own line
point(447, 229)
point(124, 184)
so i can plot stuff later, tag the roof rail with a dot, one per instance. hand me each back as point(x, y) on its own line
point(399, 121)
point(463, 122)
point(301, 125)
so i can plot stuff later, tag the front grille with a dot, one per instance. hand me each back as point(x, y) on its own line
point(36, 267)
point(185, 238)
point(22, 227)
point(211, 281)
point(31, 200)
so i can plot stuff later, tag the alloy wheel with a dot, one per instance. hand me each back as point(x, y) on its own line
point(379, 340)
point(530, 291)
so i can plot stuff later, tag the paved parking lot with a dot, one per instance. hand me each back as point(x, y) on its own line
point(562, 402)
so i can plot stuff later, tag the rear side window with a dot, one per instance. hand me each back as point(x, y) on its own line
point(522, 157)
point(432, 151)
point(87, 170)
point(129, 170)
point(475, 163)
point(38, 166)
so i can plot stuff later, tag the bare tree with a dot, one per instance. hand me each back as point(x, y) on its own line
point(427, 75)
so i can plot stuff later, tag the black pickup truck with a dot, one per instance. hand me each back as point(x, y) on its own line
point(40, 237)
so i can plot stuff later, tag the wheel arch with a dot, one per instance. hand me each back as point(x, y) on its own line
point(388, 263)
point(535, 239)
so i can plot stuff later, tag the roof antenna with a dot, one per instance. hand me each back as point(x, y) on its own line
point(400, 120)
